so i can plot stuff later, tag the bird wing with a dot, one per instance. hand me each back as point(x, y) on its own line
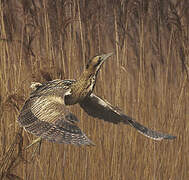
point(44, 114)
point(96, 107)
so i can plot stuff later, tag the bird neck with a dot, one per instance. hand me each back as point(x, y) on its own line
point(85, 83)
point(82, 87)
point(86, 78)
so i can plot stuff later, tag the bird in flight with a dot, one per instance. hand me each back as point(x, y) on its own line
point(46, 112)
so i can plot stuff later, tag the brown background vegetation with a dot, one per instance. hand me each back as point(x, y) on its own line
point(147, 78)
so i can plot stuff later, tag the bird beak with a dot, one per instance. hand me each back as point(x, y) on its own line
point(106, 56)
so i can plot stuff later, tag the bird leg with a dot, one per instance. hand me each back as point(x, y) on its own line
point(38, 140)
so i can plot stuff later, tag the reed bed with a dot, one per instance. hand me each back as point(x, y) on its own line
point(148, 78)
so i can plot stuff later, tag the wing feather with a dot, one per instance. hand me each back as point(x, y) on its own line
point(101, 109)
point(98, 108)
point(44, 114)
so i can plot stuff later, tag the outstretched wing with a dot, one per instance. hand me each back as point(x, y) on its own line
point(44, 114)
point(96, 107)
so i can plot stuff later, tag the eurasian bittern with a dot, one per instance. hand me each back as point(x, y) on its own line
point(46, 115)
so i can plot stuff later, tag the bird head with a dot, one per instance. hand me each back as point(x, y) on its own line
point(85, 83)
point(95, 63)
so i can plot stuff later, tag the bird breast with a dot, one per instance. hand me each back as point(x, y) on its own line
point(78, 92)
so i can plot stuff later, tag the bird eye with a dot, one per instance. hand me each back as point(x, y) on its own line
point(99, 61)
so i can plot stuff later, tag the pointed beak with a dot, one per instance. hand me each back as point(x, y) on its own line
point(106, 56)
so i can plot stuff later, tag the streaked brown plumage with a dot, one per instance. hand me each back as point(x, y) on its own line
point(46, 113)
